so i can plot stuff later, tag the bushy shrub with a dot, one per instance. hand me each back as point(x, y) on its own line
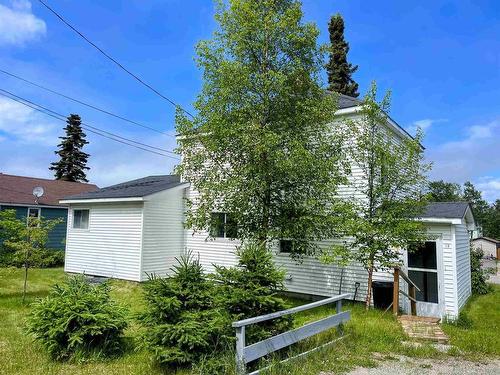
point(251, 289)
point(78, 320)
point(478, 275)
point(183, 323)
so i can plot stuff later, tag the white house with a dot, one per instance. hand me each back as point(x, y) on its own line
point(135, 228)
point(489, 246)
point(127, 231)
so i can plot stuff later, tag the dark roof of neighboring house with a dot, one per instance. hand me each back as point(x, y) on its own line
point(448, 210)
point(135, 188)
point(489, 239)
point(19, 190)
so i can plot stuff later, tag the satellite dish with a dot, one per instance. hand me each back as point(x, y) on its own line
point(38, 192)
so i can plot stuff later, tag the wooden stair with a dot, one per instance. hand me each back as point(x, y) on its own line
point(423, 328)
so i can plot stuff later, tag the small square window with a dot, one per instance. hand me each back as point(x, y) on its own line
point(286, 246)
point(80, 219)
point(223, 226)
point(33, 216)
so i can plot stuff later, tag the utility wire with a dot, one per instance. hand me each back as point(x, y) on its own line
point(86, 124)
point(92, 129)
point(114, 60)
point(83, 103)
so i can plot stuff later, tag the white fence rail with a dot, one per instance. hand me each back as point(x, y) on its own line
point(246, 354)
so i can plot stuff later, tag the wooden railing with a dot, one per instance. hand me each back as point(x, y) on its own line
point(246, 354)
point(412, 288)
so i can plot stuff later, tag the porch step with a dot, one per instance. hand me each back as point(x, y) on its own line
point(423, 328)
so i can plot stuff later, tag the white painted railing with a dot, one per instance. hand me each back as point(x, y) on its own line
point(246, 354)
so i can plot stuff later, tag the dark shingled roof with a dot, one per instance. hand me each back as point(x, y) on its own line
point(135, 188)
point(448, 210)
point(348, 101)
point(489, 239)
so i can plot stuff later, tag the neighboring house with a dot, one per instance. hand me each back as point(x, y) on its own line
point(489, 246)
point(134, 229)
point(16, 193)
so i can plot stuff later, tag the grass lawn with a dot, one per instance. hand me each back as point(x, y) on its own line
point(367, 332)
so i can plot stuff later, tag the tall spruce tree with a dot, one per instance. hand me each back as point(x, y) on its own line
point(261, 147)
point(339, 70)
point(73, 161)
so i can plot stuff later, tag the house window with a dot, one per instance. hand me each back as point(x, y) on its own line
point(286, 246)
point(422, 270)
point(33, 216)
point(80, 219)
point(223, 226)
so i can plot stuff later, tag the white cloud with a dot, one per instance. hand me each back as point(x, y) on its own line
point(18, 24)
point(490, 188)
point(110, 163)
point(424, 124)
point(25, 124)
point(473, 158)
point(481, 132)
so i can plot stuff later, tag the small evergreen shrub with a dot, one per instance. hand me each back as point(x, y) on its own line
point(183, 324)
point(251, 289)
point(78, 320)
point(478, 275)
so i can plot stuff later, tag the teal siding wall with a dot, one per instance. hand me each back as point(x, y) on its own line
point(57, 236)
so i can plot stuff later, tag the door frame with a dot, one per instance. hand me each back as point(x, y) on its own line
point(428, 308)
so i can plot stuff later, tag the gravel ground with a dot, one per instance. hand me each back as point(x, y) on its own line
point(491, 264)
point(401, 365)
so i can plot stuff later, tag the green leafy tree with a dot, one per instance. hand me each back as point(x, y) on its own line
point(388, 194)
point(261, 146)
point(251, 289)
point(491, 224)
point(26, 239)
point(480, 207)
point(442, 191)
point(73, 161)
point(339, 70)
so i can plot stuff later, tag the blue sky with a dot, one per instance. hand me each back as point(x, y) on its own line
point(441, 59)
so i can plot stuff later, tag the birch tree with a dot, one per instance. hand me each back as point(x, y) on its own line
point(260, 146)
point(388, 195)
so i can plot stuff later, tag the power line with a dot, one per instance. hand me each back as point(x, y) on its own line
point(83, 103)
point(86, 124)
point(91, 129)
point(113, 60)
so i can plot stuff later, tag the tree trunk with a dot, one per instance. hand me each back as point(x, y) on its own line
point(369, 289)
point(25, 280)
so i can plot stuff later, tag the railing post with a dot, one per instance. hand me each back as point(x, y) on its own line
point(240, 351)
point(340, 327)
point(413, 304)
point(395, 294)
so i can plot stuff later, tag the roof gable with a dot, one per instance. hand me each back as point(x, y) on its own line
point(19, 190)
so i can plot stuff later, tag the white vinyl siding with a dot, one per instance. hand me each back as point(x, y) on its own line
point(163, 237)
point(210, 250)
point(462, 264)
point(111, 246)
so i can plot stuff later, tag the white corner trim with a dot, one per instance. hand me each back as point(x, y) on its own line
point(102, 200)
point(440, 220)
